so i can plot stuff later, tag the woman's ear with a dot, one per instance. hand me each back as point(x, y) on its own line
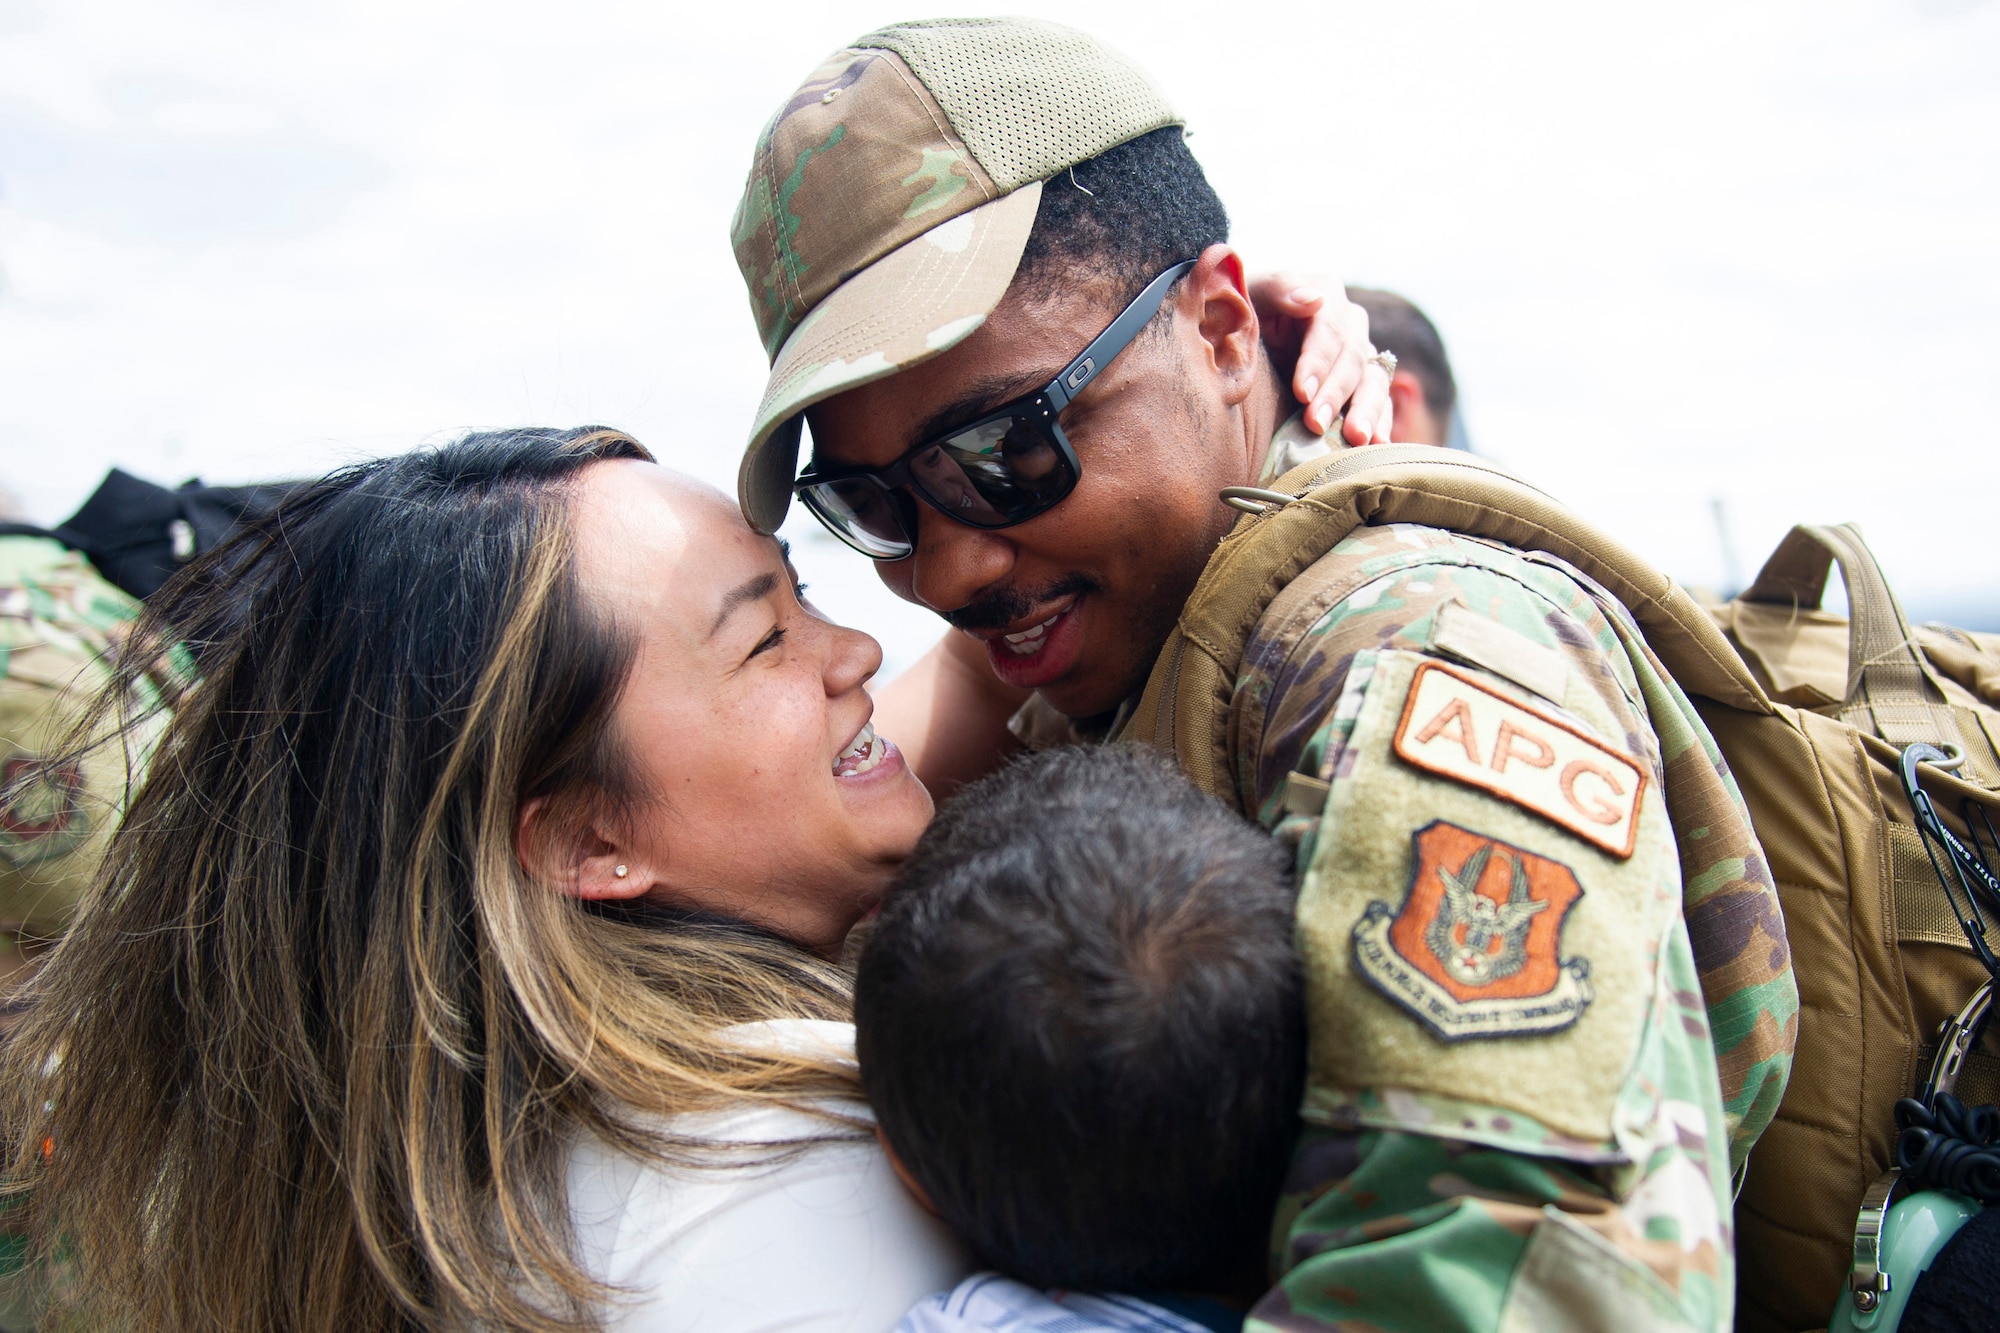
point(580, 862)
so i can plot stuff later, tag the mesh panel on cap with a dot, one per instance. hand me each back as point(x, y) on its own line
point(1028, 98)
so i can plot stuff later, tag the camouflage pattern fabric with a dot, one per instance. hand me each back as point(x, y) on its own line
point(814, 210)
point(1416, 1209)
point(1729, 899)
point(61, 626)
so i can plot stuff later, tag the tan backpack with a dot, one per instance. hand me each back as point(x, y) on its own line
point(1810, 712)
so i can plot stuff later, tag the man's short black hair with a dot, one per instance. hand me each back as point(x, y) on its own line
point(1126, 215)
point(1079, 1020)
point(1396, 325)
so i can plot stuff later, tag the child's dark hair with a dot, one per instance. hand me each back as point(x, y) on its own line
point(1079, 1020)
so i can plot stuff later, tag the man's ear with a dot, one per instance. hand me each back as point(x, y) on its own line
point(1216, 296)
point(580, 862)
point(1413, 422)
point(917, 1192)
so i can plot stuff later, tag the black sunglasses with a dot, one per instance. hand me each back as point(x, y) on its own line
point(1001, 469)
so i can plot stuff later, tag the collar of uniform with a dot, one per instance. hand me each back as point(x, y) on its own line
point(1294, 444)
point(1038, 724)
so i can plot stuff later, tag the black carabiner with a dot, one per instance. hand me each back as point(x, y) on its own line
point(1970, 875)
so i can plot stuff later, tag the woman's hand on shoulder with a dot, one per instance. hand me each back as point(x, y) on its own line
point(1320, 338)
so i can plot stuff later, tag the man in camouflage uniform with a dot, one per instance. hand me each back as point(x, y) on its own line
point(1550, 997)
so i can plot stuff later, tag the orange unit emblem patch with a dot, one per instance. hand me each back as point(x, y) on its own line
point(1474, 949)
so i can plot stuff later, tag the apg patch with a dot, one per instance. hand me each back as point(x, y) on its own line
point(1473, 951)
point(1459, 728)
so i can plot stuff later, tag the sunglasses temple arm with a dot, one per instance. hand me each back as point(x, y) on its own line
point(1114, 339)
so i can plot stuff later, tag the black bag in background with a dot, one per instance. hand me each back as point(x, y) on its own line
point(138, 533)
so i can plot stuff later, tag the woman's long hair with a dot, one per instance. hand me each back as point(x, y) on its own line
point(316, 1050)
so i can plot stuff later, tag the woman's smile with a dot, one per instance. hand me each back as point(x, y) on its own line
point(866, 754)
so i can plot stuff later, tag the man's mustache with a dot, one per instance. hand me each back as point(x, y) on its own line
point(1003, 606)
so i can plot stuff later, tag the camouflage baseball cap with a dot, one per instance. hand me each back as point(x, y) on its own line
point(890, 198)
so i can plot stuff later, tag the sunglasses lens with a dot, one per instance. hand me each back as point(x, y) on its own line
point(862, 514)
point(997, 473)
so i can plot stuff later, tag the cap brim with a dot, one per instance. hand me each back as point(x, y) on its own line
point(914, 302)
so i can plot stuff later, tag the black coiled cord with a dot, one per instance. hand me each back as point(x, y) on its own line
point(1951, 1146)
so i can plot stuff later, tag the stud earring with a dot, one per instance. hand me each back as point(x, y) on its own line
point(621, 872)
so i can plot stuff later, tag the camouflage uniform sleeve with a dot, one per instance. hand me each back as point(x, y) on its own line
point(1515, 1114)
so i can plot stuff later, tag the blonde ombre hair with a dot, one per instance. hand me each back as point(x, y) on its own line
point(315, 1052)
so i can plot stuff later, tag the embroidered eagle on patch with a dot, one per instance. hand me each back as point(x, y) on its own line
point(1474, 949)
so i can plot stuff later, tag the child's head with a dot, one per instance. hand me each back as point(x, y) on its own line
point(1079, 1021)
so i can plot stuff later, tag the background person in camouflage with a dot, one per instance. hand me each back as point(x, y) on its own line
point(1423, 390)
point(61, 627)
point(61, 624)
point(68, 597)
point(1520, 1112)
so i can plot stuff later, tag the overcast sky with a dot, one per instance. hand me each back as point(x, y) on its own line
point(1681, 254)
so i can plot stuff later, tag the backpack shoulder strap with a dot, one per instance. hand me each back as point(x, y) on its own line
point(1311, 509)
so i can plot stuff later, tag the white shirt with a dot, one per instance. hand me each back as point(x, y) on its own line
point(825, 1240)
point(989, 1301)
